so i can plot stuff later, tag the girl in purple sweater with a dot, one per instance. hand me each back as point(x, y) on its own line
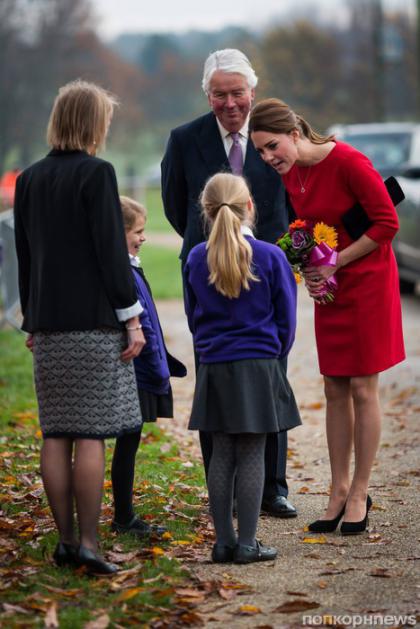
point(240, 297)
point(153, 368)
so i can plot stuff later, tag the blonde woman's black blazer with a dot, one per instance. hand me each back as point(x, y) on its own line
point(74, 268)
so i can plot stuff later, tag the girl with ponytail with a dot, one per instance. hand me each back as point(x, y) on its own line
point(240, 297)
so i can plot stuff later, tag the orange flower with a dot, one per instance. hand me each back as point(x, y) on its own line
point(297, 224)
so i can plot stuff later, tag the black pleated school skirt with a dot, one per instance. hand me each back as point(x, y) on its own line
point(154, 405)
point(241, 396)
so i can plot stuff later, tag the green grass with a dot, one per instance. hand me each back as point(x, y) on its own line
point(156, 219)
point(163, 270)
point(16, 383)
point(151, 198)
point(28, 578)
point(161, 264)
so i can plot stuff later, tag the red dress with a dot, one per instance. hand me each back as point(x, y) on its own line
point(360, 333)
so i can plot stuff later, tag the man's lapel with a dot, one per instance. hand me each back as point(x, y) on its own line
point(211, 147)
point(253, 162)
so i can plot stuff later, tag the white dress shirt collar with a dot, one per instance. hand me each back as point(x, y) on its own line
point(228, 140)
point(134, 261)
point(243, 132)
point(247, 231)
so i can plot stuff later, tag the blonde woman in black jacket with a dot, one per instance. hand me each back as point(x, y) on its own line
point(80, 309)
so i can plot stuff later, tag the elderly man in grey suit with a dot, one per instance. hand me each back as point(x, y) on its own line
point(218, 141)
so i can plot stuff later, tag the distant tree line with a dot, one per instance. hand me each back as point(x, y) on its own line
point(44, 44)
point(368, 71)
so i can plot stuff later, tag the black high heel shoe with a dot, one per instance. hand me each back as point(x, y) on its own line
point(326, 526)
point(65, 554)
point(93, 562)
point(355, 528)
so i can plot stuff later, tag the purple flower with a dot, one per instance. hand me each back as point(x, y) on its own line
point(300, 240)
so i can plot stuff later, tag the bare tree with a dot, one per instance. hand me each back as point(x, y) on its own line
point(302, 65)
point(37, 40)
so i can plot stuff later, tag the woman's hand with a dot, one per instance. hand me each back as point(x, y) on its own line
point(135, 340)
point(30, 342)
point(315, 278)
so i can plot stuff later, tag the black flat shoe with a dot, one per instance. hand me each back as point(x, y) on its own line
point(279, 507)
point(222, 554)
point(355, 528)
point(93, 562)
point(138, 527)
point(65, 554)
point(250, 554)
point(326, 526)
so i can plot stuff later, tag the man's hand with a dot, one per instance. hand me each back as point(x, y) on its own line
point(30, 342)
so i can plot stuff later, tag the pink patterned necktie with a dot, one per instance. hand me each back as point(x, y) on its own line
point(235, 157)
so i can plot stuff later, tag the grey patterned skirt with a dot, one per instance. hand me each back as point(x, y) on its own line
point(83, 388)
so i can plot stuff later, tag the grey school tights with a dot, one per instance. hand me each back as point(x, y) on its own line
point(240, 456)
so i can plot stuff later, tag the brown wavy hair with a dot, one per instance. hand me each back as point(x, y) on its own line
point(275, 116)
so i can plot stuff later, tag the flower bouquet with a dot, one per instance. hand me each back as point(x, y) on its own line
point(311, 245)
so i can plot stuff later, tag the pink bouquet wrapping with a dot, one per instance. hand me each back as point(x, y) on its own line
point(306, 245)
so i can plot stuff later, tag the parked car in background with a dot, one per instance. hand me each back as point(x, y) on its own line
point(394, 148)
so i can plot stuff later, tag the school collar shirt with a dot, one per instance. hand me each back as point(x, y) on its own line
point(134, 261)
point(227, 138)
point(247, 231)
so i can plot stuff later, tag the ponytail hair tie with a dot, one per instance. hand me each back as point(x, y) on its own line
point(231, 207)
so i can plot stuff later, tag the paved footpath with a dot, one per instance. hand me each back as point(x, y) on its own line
point(325, 580)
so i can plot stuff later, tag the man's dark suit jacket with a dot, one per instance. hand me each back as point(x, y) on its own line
point(74, 269)
point(194, 153)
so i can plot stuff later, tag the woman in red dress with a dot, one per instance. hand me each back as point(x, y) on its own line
point(359, 334)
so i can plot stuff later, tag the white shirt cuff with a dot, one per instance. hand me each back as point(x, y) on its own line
point(123, 314)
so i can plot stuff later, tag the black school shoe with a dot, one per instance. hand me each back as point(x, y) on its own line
point(94, 564)
point(138, 527)
point(222, 554)
point(65, 554)
point(249, 554)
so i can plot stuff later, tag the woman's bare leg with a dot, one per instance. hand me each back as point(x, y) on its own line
point(340, 425)
point(367, 432)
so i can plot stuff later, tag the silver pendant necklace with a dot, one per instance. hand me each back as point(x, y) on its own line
point(303, 184)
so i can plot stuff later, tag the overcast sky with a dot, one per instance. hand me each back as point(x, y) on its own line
point(116, 16)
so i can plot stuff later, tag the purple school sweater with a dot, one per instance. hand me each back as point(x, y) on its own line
point(260, 323)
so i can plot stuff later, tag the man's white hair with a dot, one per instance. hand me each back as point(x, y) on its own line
point(231, 61)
